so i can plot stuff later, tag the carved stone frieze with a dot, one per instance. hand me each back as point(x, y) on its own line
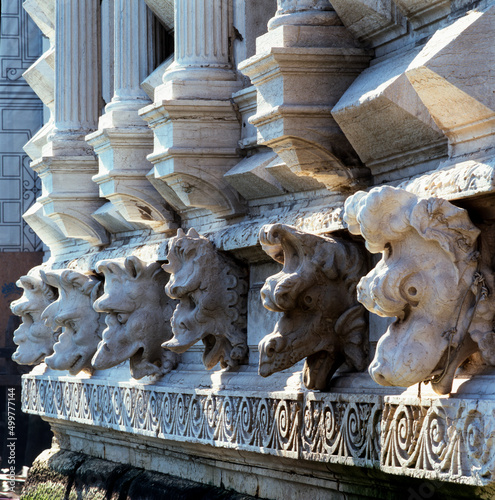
point(73, 311)
point(212, 291)
point(431, 277)
point(337, 429)
point(137, 317)
point(34, 339)
point(444, 439)
point(268, 423)
point(316, 292)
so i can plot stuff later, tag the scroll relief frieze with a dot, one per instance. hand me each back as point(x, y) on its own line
point(211, 289)
point(73, 312)
point(322, 320)
point(34, 339)
point(446, 439)
point(137, 314)
point(432, 277)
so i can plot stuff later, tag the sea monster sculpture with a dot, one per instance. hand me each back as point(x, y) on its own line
point(432, 278)
point(211, 289)
point(34, 339)
point(73, 312)
point(316, 292)
point(137, 314)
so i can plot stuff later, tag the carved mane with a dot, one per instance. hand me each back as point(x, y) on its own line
point(34, 339)
point(135, 289)
point(211, 289)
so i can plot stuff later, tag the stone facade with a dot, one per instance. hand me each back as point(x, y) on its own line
point(211, 308)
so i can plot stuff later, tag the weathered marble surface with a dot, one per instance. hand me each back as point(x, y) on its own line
point(211, 289)
point(316, 292)
point(34, 339)
point(73, 313)
point(137, 315)
point(432, 278)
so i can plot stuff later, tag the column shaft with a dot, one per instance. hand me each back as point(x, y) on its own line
point(201, 33)
point(133, 50)
point(76, 65)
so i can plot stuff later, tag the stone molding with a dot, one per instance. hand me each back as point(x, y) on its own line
point(442, 439)
point(268, 423)
point(316, 294)
point(211, 289)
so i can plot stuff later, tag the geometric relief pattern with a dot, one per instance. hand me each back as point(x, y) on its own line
point(443, 439)
point(21, 115)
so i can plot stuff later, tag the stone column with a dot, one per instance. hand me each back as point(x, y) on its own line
point(67, 163)
point(76, 75)
point(133, 55)
point(123, 139)
point(202, 29)
point(195, 126)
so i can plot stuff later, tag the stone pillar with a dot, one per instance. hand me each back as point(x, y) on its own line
point(133, 55)
point(195, 126)
point(302, 66)
point(67, 163)
point(201, 37)
point(76, 75)
point(123, 140)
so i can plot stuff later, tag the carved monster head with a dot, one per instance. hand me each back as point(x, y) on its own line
point(322, 320)
point(137, 317)
point(73, 311)
point(424, 279)
point(211, 289)
point(34, 339)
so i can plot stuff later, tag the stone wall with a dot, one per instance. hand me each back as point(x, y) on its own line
point(213, 308)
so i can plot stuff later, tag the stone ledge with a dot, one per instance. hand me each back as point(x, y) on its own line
point(441, 439)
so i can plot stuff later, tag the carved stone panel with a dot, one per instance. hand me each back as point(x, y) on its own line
point(316, 292)
point(137, 317)
point(431, 277)
point(212, 290)
point(34, 339)
point(73, 311)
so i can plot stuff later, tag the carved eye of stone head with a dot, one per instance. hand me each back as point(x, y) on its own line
point(411, 289)
point(308, 300)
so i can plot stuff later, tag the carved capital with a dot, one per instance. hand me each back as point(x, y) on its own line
point(322, 320)
point(431, 278)
point(137, 317)
point(34, 339)
point(211, 289)
point(73, 312)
